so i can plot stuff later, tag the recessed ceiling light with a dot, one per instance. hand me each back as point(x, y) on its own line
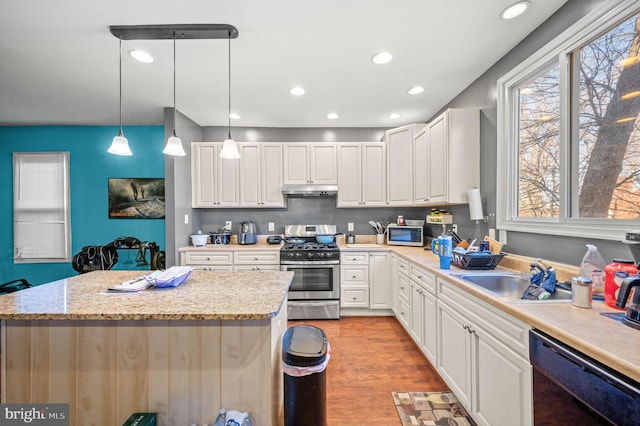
point(332, 116)
point(234, 116)
point(394, 116)
point(382, 58)
point(415, 90)
point(297, 91)
point(515, 10)
point(141, 56)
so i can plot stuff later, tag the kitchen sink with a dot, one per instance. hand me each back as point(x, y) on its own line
point(511, 286)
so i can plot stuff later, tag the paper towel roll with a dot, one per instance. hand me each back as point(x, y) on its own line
point(475, 204)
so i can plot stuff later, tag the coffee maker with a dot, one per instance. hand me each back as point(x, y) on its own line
point(247, 233)
point(632, 314)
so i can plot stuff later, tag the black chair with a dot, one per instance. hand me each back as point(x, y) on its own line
point(15, 285)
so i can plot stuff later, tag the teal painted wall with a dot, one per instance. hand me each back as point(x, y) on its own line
point(90, 168)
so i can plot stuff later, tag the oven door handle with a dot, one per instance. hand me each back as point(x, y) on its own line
point(309, 263)
point(307, 303)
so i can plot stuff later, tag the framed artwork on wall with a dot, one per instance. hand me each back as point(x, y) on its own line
point(136, 198)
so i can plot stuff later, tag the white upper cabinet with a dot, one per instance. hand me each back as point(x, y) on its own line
point(400, 164)
point(361, 174)
point(214, 181)
point(261, 175)
point(310, 163)
point(449, 149)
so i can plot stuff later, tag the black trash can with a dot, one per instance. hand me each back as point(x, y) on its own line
point(305, 356)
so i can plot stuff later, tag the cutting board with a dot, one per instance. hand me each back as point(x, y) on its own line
point(495, 247)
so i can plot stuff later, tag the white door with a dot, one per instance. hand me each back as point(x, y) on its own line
point(203, 174)
point(228, 182)
point(250, 175)
point(454, 352)
point(349, 175)
point(429, 328)
point(400, 166)
point(272, 175)
point(374, 176)
point(503, 381)
point(380, 284)
point(421, 167)
point(296, 163)
point(323, 163)
point(437, 159)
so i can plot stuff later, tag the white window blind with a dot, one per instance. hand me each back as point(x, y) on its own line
point(41, 218)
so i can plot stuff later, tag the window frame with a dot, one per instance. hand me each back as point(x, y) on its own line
point(61, 161)
point(557, 51)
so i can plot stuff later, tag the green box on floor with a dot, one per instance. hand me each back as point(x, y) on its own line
point(141, 419)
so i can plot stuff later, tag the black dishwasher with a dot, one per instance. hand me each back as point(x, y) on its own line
point(571, 388)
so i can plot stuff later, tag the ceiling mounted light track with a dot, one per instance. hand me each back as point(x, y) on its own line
point(180, 31)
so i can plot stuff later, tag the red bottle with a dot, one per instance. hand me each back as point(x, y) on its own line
point(610, 286)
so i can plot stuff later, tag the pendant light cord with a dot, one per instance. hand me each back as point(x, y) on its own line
point(174, 83)
point(120, 72)
point(229, 76)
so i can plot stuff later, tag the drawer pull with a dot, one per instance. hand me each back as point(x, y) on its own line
point(255, 258)
point(353, 277)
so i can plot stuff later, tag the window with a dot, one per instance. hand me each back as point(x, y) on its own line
point(41, 221)
point(569, 131)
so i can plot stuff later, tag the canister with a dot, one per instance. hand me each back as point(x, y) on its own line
point(581, 292)
point(614, 274)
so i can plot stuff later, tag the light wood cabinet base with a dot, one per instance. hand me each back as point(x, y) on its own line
point(183, 370)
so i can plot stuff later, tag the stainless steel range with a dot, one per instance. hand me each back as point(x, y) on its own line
point(315, 290)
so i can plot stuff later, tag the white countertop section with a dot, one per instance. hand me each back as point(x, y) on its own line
point(604, 339)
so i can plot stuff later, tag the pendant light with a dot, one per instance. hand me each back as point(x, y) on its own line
point(229, 148)
point(120, 144)
point(174, 143)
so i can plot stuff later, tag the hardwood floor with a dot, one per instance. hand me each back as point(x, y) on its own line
point(371, 357)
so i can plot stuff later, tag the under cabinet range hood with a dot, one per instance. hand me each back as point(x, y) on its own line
point(309, 190)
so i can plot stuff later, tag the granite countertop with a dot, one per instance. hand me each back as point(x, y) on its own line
point(605, 339)
point(206, 295)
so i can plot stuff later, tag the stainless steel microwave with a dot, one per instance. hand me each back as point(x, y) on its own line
point(405, 235)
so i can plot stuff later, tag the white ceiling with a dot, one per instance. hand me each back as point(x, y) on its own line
point(59, 62)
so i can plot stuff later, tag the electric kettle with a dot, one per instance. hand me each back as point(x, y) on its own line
point(632, 315)
point(247, 233)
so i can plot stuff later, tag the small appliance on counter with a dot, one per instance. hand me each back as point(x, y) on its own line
point(199, 239)
point(632, 304)
point(405, 235)
point(274, 239)
point(247, 233)
point(221, 237)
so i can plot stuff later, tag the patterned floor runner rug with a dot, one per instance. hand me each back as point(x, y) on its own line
point(430, 408)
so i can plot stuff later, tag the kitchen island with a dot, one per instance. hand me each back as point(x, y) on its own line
point(184, 352)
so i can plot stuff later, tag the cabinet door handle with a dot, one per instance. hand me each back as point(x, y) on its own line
point(255, 258)
point(353, 277)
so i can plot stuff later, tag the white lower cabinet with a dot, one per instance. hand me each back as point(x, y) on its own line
point(208, 260)
point(365, 280)
point(482, 354)
point(240, 260)
point(423, 313)
point(354, 280)
point(380, 285)
point(404, 295)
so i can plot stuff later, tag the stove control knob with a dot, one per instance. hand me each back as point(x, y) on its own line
point(298, 254)
point(322, 254)
point(311, 255)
